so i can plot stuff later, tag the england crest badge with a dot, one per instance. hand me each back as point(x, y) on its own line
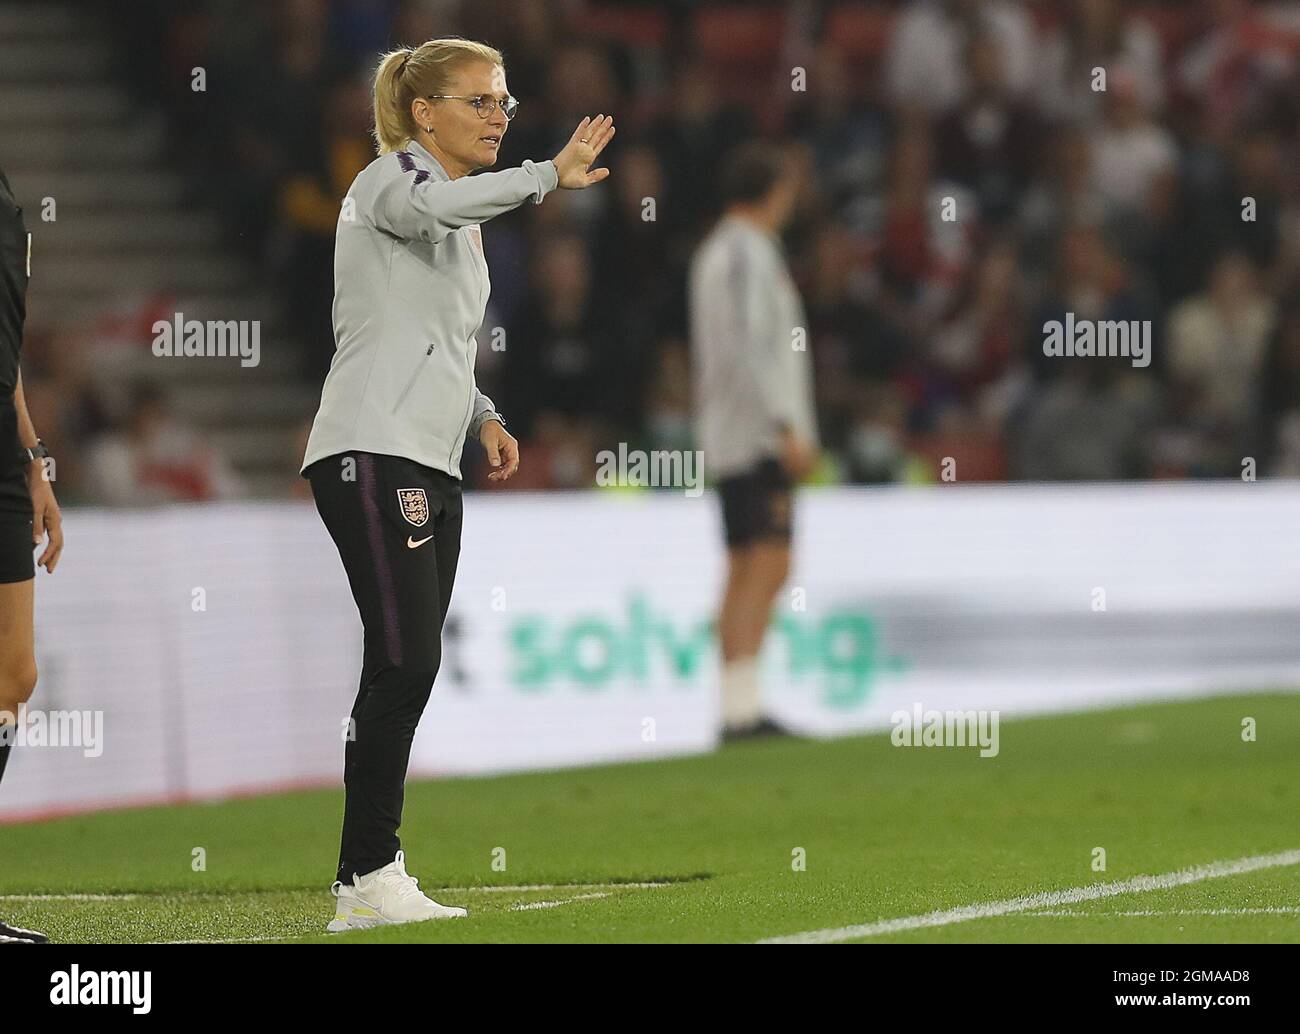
point(414, 504)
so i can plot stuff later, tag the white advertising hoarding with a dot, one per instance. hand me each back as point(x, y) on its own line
point(222, 648)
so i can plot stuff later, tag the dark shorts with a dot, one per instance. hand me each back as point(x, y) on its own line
point(757, 505)
point(397, 527)
point(16, 562)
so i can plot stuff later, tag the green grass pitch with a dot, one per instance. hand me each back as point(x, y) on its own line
point(701, 848)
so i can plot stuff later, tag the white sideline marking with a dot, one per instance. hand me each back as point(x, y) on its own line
point(68, 897)
point(1277, 911)
point(1046, 899)
point(243, 940)
point(556, 904)
point(520, 888)
point(524, 907)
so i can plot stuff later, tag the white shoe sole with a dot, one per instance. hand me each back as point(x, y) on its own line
point(352, 921)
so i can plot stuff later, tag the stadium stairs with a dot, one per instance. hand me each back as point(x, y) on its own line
point(129, 246)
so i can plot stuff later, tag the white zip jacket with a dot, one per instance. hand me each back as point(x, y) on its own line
point(751, 381)
point(410, 290)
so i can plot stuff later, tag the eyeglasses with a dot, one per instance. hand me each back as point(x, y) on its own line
point(485, 104)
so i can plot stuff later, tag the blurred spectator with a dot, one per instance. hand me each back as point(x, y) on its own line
point(989, 141)
point(1244, 57)
point(635, 246)
point(158, 458)
point(1134, 157)
point(846, 131)
point(876, 446)
point(558, 358)
point(696, 129)
point(317, 176)
point(858, 347)
point(1098, 36)
point(924, 231)
point(924, 66)
point(1279, 394)
point(976, 345)
point(1217, 342)
point(1064, 194)
point(669, 398)
point(1087, 425)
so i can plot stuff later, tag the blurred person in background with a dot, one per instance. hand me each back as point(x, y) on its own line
point(1088, 424)
point(1253, 165)
point(1218, 342)
point(309, 207)
point(1278, 391)
point(400, 400)
point(921, 254)
point(1134, 158)
point(1063, 195)
point(1096, 34)
point(754, 407)
point(845, 128)
point(975, 373)
point(988, 143)
point(1092, 281)
point(875, 451)
point(588, 82)
point(859, 347)
point(558, 360)
point(158, 458)
point(28, 511)
point(1240, 61)
point(924, 69)
point(699, 126)
point(668, 398)
point(1085, 419)
point(633, 246)
point(271, 63)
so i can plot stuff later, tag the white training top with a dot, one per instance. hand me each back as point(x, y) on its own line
point(410, 289)
point(749, 345)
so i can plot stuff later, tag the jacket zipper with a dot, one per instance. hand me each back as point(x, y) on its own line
point(414, 377)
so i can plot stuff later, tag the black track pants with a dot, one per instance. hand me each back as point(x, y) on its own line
point(397, 527)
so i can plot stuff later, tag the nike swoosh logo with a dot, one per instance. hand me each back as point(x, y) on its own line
point(412, 544)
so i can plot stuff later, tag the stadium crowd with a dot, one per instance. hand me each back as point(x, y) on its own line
point(965, 180)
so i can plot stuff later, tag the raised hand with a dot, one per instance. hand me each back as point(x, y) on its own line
point(588, 140)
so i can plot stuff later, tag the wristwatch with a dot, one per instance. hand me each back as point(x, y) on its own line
point(31, 455)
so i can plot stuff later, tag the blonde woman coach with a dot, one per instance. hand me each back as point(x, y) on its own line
point(410, 290)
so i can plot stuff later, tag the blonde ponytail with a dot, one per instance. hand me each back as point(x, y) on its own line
point(391, 130)
point(410, 72)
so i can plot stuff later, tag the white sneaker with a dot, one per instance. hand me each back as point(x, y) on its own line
point(385, 897)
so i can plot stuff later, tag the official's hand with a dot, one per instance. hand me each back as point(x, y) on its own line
point(46, 519)
point(502, 450)
point(588, 140)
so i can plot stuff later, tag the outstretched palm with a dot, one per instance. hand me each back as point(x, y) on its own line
point(588, 140)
